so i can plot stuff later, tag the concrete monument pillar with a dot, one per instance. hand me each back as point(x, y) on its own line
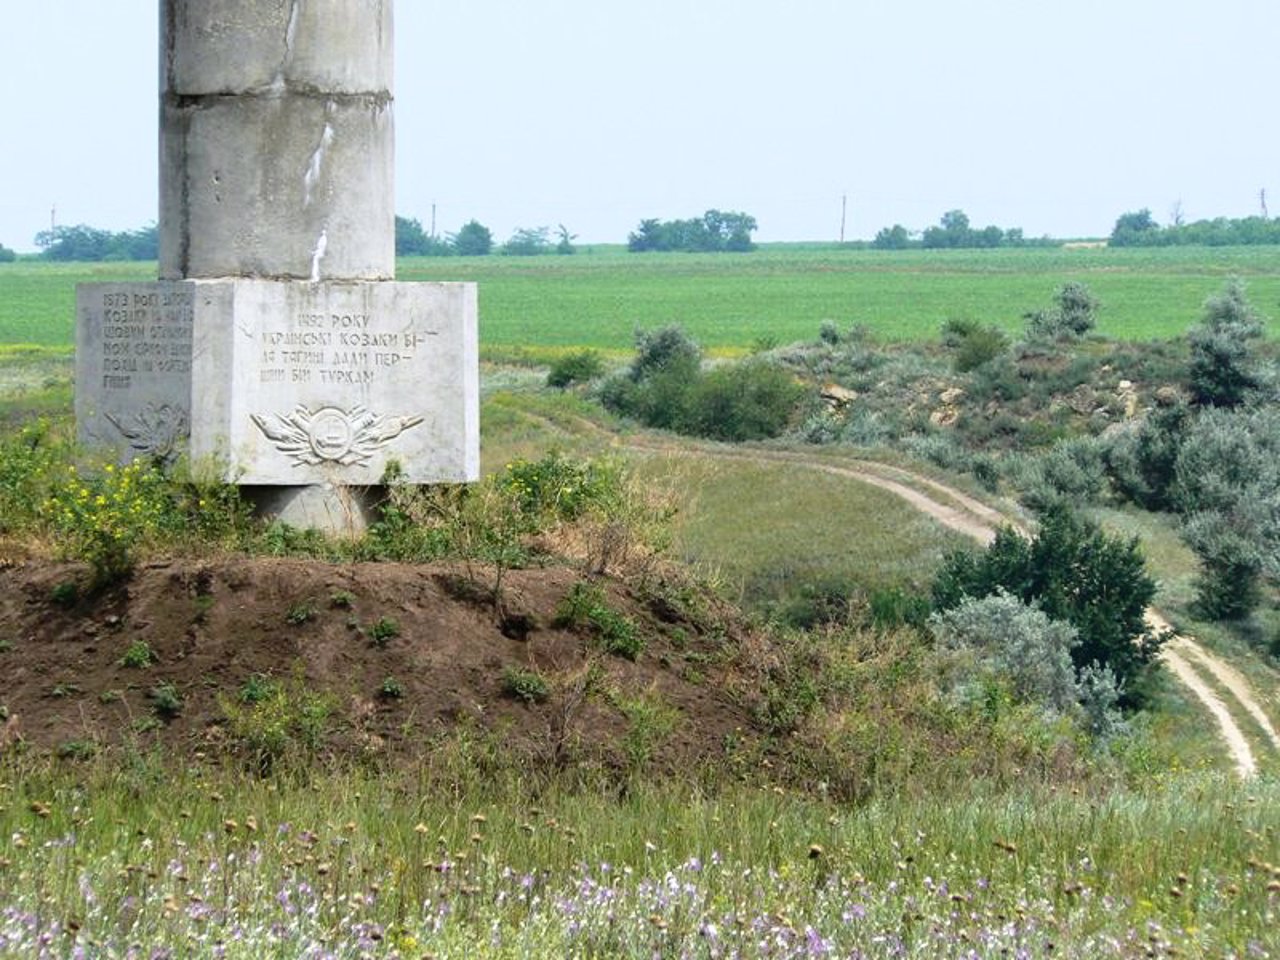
point(277, 347)
point(277, 145)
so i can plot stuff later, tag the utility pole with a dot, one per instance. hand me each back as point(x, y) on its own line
point(53, 218)
point(1262, 199)
point(844, 209)
point(433, 221)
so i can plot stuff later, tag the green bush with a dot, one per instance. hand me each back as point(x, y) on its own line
point(1224, 371)
point(1075, 573)
point(585, 607)
point(973, 343)
point(269, 720)
point(665, 388)
point(1073, 314)
point(166, 700)
point(524, 684)
point(383, 630)
point(1227, 486)
point(581, 366)
point(138, 655)
point(390, 689)
point(1073, 473)
point(752, 400)
point(1141, 460)
point(1000, 636)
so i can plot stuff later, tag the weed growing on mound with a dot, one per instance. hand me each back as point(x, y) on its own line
point(104, 514)
point(524, 684)
point(270, 721)
point(585, 607)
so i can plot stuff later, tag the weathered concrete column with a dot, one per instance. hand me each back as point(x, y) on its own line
point(277, 149)
point(277, 347)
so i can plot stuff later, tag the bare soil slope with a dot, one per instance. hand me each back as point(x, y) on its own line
point(214, 625)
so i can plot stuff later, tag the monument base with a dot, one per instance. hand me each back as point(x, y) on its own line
point(316, 389)
point(334, 510)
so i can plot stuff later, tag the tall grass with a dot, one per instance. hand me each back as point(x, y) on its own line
point(433, 862)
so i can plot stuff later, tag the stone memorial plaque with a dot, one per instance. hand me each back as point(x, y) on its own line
point(330, 383)
point(133, 367)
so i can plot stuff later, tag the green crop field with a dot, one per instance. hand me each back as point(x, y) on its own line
point(779, 293)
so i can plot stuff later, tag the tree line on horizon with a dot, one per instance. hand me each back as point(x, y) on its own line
point(954, 232)
point(1139, 229)
point(714, 231)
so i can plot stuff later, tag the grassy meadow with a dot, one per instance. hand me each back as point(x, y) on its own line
point(778, 294)
point(447, 863)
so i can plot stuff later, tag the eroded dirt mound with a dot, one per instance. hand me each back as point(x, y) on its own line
point(399, 654)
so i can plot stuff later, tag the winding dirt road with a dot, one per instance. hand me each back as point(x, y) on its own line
point(1187, 660)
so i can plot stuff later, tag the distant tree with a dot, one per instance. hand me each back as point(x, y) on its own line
point(952, 232)
point(411, 239)
point(1224, 371)
point(892, 238)
point(528, 242)
point(472, 240)
point(1140, 230)
point(85, 243)
point(565, 246)
point(987, 237)
point(714, 231)
point(7, 255)
point(1132, 228)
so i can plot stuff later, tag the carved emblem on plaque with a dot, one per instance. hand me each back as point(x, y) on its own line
point(331, 434)
point(155, 430)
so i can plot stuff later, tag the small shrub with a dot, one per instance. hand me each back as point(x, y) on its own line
point(166, 700)
point(973, 343)
point(65, 594)
point(300, 612)
point(138, 655)
point(390, 689)
point(342, 599)
point(276, 720)
point(585, 607)
point(1073, 472)
point(79, 749)
point(651, 722)
point(1073, 314)
point(581, 366)
point(526, 685)
point(104, 519)
point(383, 630)
point(1013, 641)
point(257, 688)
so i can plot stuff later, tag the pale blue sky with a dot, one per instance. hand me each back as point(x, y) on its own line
point(1052, 116)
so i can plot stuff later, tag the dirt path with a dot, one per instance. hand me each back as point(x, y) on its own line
point(960, 512)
